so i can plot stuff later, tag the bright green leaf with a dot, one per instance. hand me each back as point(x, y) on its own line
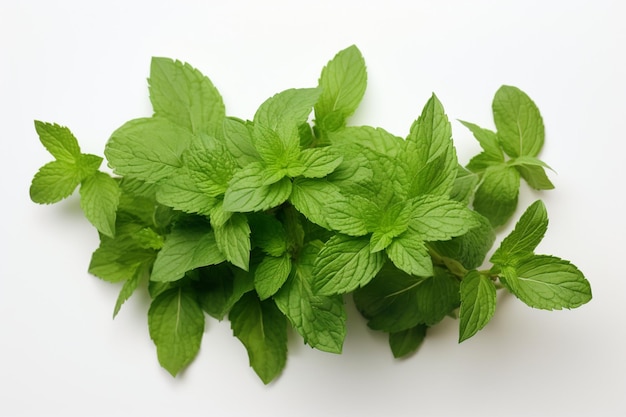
point(438, 218)
point(319, 162)
point(248, 192)
point(519, 123)
point(271, 274)
point(181, 94)
point(345, 264)
point(478, 304)
point(285, 111)
point(527, 234)
point(311, 198)
point(429, 152)
point(186, 248)
point(54, 181)
point(409, 254)
point(148, 149)
point(99, 198)
point(59, 141)
point(233, 240)
point(320, 320)
point(547, 282)
point(343, 83)
point(181, 192)
point(129, 288)
point(497, 195)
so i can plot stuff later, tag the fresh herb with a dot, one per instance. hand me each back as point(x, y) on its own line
point(271, 222)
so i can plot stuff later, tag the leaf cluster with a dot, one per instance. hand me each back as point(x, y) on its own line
point(271, 222)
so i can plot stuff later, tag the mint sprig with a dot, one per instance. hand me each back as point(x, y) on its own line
point(271, 222)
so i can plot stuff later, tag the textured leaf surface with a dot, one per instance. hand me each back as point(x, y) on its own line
point(176, 324)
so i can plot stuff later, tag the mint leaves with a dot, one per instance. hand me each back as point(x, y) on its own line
point(272, 222)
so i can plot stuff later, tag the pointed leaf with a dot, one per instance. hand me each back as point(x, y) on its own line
point(344, 264)
point(99, 198)
point(181, 94)
point(548, 283)
point(59, 141)
point(519, 123)
point(262, 329)
point(176, 324)
point(343, 83)
point(233, 240)
point(478, 304)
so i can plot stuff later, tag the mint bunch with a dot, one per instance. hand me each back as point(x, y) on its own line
point(271, 222)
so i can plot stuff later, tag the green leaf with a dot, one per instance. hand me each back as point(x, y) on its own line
point(527, 234)
point(238, 140)
point(375, 139)
point(478, 304)
point(348, 215)
point(319, 162)
point(409, 254)
point(497, 195)
point(471, 248)
point(392, 222)
point(278, 153)
point(320, 320)
point(233, 240)
point(220, 287)
point(492, 152)
point(148, 149)
point(533, 171)
point(389, 301)
point(268, 233)
point(99, 198)
point(519, 123)
point(211, 166)
point(181, 192)
point(488, 140)
point(395, 301)
point(54, 181)
point(343, 83)
point(118, 258)
point(344, 264)
point(186, 248)
point(176, 324)
point(405, 342)
point(429, 152)
point(181, 94)
point(547, 282)
point(464, 186)
point(262, 329)
point(59, 141)
point(311, 198)
point(285, 111)
point(248, 190)
point(438, 218)
point(271, 274)
point(129, 288)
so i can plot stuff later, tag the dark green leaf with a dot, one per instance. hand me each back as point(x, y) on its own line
point(262, 329)
point(176, 324)
point(405, 342)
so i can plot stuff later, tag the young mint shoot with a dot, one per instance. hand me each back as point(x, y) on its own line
point(272, 222)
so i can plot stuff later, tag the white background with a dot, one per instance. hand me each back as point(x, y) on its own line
point(85, 64)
